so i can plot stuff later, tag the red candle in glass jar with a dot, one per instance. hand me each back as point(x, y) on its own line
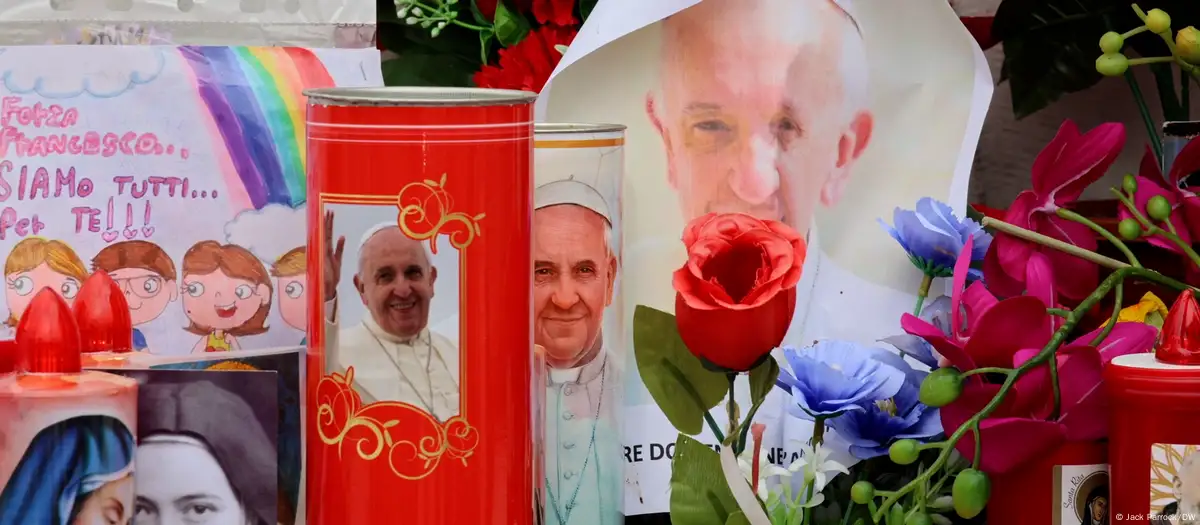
point(420, 279)
point(1154, 437)
point(1065, 486)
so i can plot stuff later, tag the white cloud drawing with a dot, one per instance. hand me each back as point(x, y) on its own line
point(65, 72)
point(270, 232)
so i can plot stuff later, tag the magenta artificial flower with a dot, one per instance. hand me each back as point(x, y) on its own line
point(985, 331)
point(993, 333)
point(1185, 216)
point(1070, 163)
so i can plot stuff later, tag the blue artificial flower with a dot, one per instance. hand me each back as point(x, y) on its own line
point(835, 377)
point(937, 313)
point(882, 420)
point(932, 236)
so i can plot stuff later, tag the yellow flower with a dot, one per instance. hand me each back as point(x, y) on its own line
point(1150, 310)
point(1187, 45)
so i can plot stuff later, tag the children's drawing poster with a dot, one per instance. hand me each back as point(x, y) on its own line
point(180, 171)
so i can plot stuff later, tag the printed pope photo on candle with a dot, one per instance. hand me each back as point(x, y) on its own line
point(200, 223)
point(1174, 484)
point(576, 261)
point(391, 309)
point(792, 111)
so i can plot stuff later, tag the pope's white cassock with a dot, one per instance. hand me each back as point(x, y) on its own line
point(421, 371)
point(583, 462)
point(584, 468)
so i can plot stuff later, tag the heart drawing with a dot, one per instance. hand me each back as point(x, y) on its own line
point(130, 233)
point(110, 236)
point(147, 231)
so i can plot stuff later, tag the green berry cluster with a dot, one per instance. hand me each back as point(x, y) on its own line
point(1185, 46)
point(969, 495)
point(1154, 221)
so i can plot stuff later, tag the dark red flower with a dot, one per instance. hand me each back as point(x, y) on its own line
point(980, 27)
point(555, 12)
point(488, 7)
point(528, 64)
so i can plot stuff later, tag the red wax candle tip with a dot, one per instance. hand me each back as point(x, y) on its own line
point(103, 316)
point(47, 337)
point(1179, 343)
point(8, 356)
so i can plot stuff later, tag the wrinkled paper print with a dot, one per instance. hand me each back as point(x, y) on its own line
point(793, 110)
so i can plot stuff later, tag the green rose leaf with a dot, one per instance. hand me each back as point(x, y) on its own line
point(699, 492)
point(511, 27)
point(683, 389)
point(737, 518)
point(762, 380)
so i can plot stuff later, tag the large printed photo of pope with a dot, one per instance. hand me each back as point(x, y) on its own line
point(575, 275)
point(788, 110)
point(391, 309)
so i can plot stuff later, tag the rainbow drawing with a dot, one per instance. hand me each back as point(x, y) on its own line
point(253, 96)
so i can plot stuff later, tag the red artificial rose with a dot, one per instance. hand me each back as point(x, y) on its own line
point(980, 28)
point(488, 7)
point(528, 64)
point(737, 293)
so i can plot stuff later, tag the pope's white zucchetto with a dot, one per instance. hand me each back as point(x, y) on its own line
point(366, 236)
point(571, 191)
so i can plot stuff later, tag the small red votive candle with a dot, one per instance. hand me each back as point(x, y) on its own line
point(1154, 439)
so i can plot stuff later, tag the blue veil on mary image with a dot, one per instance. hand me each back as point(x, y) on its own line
point(64, 465)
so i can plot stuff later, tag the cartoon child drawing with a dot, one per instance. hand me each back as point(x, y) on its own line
point(146, 274)
point(36, 263)
point(226, 294)
point(290, 270)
